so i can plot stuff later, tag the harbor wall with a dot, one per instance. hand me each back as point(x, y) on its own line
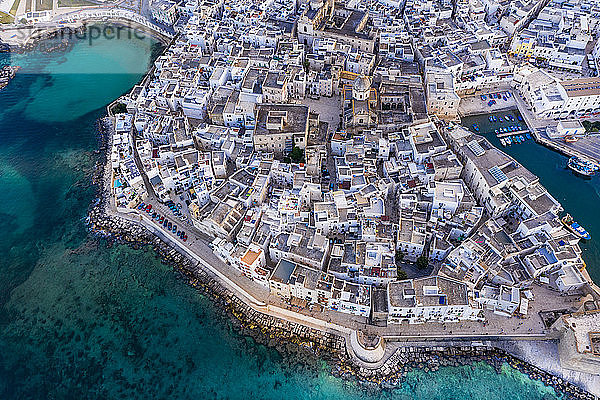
point(293, 333)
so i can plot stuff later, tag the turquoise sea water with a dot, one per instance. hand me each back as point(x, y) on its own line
point(80, 320)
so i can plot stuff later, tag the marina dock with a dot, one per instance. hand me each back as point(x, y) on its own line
point(589, 152)
point(516, 133)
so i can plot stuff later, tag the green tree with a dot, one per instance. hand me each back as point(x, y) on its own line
point(401, 274)
point(399, 256)
point(297, 155)
point(422, 262)
point(306, 66)
point(119, 108)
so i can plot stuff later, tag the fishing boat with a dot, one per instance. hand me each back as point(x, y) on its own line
point(574, 227)
point(506, 118)
point(582, 167)
point(495, 118)
point(490, 118)
point(475, 127)
point(571, 139)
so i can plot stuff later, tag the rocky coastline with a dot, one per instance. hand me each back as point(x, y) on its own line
point(50, 40)
point(290, 339)
point(59, 38)
point(430, 359)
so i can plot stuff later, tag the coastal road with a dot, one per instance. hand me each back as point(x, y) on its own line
point(495, 327)
point(258, 297)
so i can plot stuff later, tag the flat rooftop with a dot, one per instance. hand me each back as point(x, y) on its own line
point(582, 87)
point(296, 118)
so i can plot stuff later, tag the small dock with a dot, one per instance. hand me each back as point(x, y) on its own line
point(515, 133)
point(586, 148)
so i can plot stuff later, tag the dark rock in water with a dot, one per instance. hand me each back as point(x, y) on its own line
point(296, 342)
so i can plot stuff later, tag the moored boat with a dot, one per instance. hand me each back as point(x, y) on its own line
point(574, 227)
point(582, 167)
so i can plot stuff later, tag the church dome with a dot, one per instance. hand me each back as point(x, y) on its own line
point(361, 84)
point(361, 88)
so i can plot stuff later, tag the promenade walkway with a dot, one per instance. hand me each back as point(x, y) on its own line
point(495, 327)
point(257, 296)
point(587, 147)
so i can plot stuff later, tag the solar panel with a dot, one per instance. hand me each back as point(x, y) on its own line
point(476, 148)
point(497, 173)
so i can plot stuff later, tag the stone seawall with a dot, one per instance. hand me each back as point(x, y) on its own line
point(432, 358)
point(283, 335)
point(290, 338)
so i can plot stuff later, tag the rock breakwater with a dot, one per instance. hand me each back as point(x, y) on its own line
point(431, 359)
point(291, 339)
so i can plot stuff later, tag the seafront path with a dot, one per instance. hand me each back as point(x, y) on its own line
point(495, 327)
point(258, 297)
point(586, 147)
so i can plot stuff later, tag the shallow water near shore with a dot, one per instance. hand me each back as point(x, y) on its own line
point(82, 320)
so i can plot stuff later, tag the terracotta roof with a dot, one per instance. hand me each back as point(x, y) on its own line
point(250, 257)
